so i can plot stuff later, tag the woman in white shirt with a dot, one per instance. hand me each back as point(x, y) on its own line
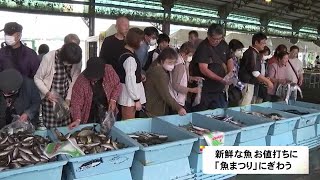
point(129, 71)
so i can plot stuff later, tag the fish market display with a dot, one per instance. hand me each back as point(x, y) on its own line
point(195, 129)
point(90, 141)
point(273, 116)
point(293, 111)
point(20, 150)
point(148, 138)
point(228, 119)
point(285, 91)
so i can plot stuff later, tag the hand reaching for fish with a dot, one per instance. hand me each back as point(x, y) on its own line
point(52, 97)
point(138, 106)
point(74, 124)
point(112, 106)
point(182, 112)
point(24, 117)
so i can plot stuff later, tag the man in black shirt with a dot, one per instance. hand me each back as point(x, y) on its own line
point(113, 45)
point(250, 68)
point(212, 60)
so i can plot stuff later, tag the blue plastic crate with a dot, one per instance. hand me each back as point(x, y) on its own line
point(179, 143)
point(317, 126)
point(123, 174)
point(283, 139)
point(209, 176)
point(255, 128)
point(195, 160)
point(109, 161)
point(303, 104)
point(304, 134)
point(47, 171)
point(311, 143)
point(230, 132)
point(256, 142)
point(305, 120)
point(161, 171)
point(280, 126)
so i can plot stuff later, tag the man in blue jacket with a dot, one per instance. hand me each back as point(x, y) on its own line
point(15, 54)
point(18, 96)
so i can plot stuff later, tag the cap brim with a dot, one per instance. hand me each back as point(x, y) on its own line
point(93, 74)
point(1, 30)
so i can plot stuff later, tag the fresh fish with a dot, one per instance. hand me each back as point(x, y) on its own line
point(28, 139)
point(114, 144)
point(24, 156)
point(285, 91)
point(25, 150)
point(4, 153)
point(146, 138)
point(15, 153)
point(228, 119)
point(293, 111)
point(107, 146)
point(14, 165)
point(11, 140)
point(34, 158)
point(4, 140)
point(85, 133)
point(92, 142)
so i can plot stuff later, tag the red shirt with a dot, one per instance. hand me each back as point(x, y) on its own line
point(81, 97)
point(272, 60)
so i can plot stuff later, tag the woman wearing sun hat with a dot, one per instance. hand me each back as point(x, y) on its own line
point(96, 89)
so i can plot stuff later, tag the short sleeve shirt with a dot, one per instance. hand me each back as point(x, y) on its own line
point(214, 57)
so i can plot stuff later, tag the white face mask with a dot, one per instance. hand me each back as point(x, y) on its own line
point(189, 58)
point(10, 40)
point(266, 57)
point(168, 67)
point(153, 42)
point(238, 54)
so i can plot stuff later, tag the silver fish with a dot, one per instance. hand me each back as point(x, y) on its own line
point(107, 146)
point(4, 140)
point(24, 156)
point(25, 150)
point(85, 132)
point(28, 139)
point(4, 153)
point(92, 144)
point(34, 158)
point(114, 144)
point(15, 153)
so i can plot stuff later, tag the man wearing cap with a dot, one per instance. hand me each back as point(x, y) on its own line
point(17, 55)
point(18, 96)
point(96, 91)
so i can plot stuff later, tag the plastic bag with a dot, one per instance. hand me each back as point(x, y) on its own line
point(60, 108)
point(107, 122)
point(17, 126)
point(197, 99)
point(68, 147)
point(230, 78)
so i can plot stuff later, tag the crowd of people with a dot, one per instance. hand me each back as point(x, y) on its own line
point(132, 81)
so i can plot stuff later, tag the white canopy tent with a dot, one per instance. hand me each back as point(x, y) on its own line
point(306, 46)
point(244, 38)
point(274, 42)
